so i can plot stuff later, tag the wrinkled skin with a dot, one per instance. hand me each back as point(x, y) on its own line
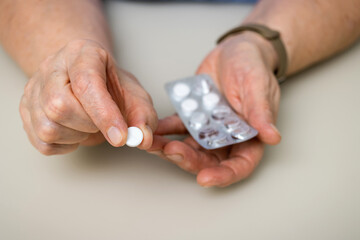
point(242, 67)
point(79, 96)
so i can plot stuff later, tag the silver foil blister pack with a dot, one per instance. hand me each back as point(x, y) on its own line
point(206, 114)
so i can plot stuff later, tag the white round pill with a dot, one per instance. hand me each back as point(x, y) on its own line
point(135, 137)
point(198, 119)
point(181, 90)
point(202, 86)
point(211, 100)
point(189, 105)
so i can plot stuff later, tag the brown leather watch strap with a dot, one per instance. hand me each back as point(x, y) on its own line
point(271, 35)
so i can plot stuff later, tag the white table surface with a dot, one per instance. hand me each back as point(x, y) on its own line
point(305, 188)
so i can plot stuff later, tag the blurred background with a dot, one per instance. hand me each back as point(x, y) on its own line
point(305, 188)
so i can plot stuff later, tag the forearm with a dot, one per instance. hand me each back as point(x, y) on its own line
point(311, 29)
point(32, 30)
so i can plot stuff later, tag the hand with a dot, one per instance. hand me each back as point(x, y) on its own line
point(242, 67)
point(79, 96)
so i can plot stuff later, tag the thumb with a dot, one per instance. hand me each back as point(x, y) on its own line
point(261, 117)
point(261, 104)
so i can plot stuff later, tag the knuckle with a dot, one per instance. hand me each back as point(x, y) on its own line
point(23, 102)
point(102, 53)
point(45, 65)
point(86, 81)
point(76, 44)
point(29, 86)
point(56, 108)
point(81, 85)
point(47, 132)
point(102, 113)
point(148, 97)
point(46, 149)
point(22, 113)
point(56, 74)
point(26, 126)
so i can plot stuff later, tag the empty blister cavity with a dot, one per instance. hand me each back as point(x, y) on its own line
point(181, 90)
point(221, 113)
point(208, 132)
point(210, 100)
point(219, 140)
point(198, 119)
point(189, 105)
point(232, 123)
point(240, 133)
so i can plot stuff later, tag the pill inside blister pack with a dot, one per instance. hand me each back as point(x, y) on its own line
point(206, 114)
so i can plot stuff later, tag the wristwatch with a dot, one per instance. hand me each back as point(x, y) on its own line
point(274, 38)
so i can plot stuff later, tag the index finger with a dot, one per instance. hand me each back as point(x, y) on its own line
point(88, 78)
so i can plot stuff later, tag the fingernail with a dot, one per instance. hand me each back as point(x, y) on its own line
point(114, 135)
point(175, 158)
point(275, 129)
point(149, 128)
point(149, 131)
point(157, 153)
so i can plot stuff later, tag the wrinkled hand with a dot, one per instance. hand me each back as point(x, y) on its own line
point(242, 67)
point(79, 96)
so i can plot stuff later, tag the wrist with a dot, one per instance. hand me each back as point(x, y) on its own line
point(265, 47)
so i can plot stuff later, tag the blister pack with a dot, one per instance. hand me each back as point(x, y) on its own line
point(206, 114)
